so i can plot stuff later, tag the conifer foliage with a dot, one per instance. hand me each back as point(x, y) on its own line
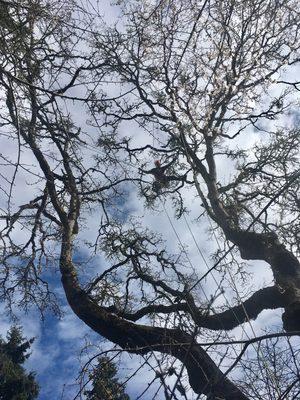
point(15, 382)
point(106, 385)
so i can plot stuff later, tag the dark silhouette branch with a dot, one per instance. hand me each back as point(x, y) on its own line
point(204, 375)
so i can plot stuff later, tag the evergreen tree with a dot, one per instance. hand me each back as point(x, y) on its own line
point(109, 127)
point(15, 382)
point(105, 382)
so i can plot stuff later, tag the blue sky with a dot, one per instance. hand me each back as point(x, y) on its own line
point(56, 353)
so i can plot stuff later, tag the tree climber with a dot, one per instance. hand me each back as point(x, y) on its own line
point(161, 179)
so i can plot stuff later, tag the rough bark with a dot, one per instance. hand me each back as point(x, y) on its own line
point(285, 267)
point(204, 375)
point(263, 299)
point(257, 246)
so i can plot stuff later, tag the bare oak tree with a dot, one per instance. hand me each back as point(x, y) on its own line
point(200, 85)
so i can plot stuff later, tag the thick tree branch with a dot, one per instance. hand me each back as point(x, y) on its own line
point(204, 375)
point(263, 299)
